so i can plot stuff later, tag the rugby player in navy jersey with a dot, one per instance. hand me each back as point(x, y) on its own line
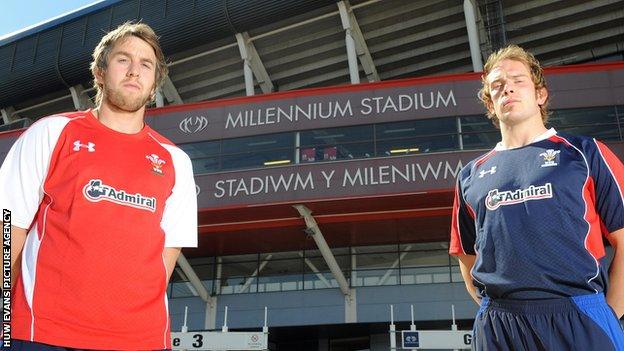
point(529, 220)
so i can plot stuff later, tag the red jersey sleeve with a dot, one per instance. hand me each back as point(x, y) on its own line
point(463, 232)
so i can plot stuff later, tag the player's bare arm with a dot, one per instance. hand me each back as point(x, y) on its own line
point(170, 256)
point(615, 294)
point(466, 262)
point(18, 238)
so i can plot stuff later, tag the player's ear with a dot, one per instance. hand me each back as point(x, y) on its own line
point(98, 75)
point(490, 106)
point(541, 95)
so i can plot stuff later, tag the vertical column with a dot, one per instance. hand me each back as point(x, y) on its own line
point(352, 57)
point(473, 35)
point(160, 101)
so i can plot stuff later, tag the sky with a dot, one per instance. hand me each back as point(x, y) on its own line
point(16, 15)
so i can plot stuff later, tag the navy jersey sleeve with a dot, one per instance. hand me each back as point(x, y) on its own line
point(463, 232)
point(607, 173)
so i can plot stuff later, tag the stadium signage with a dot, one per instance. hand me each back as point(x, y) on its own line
point(340, 109)
point(389, 175)
point(349, 105)
point(317, 108)
point(436, 339)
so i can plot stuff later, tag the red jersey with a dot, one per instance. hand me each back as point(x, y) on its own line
point(100, 207)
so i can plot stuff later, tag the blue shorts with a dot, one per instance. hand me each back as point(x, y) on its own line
point(583, 322)
point(22, 345)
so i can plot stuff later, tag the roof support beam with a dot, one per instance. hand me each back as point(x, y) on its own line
point(251, 278)
point(193, 278)
point(8, 115)
point(160, 99)
point(473, 35)
point(211, 301)
point(253, 65)
point(80, 98)
point(316, 271)
point(170, 92)
point(313, 230)
point(396, 262)
point(356, 45)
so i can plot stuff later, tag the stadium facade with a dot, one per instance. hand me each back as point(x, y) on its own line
point(326, 138)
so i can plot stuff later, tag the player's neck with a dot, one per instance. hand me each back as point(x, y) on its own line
point(120, 121)
point(518, 135)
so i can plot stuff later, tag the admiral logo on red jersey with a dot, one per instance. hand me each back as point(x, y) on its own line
point(96, 191)
point(495, 199)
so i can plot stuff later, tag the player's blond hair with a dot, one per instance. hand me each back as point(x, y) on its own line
point(516, 53)
point(104, 48)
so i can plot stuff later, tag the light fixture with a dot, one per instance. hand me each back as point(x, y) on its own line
point(404, 151)
point(402, 130)
point(278, 162)
point(260, 143)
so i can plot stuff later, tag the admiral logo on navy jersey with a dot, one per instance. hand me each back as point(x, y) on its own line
point(96, 191)
point(495, 199)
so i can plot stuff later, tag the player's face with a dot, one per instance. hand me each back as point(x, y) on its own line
point(130, 76)
point(514, 97)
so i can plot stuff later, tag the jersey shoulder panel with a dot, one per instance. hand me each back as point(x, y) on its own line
point(159, 137)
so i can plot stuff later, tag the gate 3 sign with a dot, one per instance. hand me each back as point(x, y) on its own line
point(436, 339)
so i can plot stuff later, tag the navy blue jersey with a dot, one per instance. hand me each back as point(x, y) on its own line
point(535, 217)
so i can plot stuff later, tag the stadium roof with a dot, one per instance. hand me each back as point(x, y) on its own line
point(294, 44)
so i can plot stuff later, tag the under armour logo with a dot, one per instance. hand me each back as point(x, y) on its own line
point(89, 146)
point(490, 171)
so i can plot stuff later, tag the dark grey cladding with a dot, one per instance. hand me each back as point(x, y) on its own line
point(56, 54)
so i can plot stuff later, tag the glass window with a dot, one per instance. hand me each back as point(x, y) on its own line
point(477, 124)
point(238, 258)
point(426, 275)
point(417, 145)
point(258, 151)
point(377, 260)
point(318, 264)
point(423, 127)
point(282, 255)
point(424, 258)
point(478, 132)
point(336, 144)
point(376, 277)
point(598, 122)
point(204, 271)
point(236, 277)
point(582, 116)
point(336, 136)
point(375, 248)
point(257, 159)
point(258, 142)
point(204, 155)
point(182, 289)
point(428, 135)
point(336, 152)
point(238, 269)
point(202, 149)
point(282, 267)
point(335, 251)
point(425, 246)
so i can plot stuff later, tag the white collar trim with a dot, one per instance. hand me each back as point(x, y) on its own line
point(547, 134)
